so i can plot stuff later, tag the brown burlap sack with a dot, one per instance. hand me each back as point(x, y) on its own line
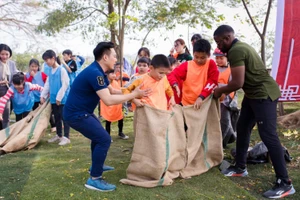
point(26, 133)
point(163, 151)
point(151, 152)
point(204, 138)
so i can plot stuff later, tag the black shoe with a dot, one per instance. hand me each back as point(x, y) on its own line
point(123, 136)
point(280, 189)
point(235, 171)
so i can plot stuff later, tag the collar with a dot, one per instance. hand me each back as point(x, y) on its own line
point(233, 42)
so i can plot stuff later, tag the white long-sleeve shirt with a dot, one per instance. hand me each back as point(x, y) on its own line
point(65, 84)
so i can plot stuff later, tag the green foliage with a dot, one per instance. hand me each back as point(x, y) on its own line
point(22, 60)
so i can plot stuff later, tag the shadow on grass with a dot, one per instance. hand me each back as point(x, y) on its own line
point(15, 172)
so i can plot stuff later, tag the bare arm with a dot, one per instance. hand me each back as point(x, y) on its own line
point(113, 90)
point(237, 82)
point(113, 99)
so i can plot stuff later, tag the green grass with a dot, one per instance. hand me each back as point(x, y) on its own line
point(52, 172)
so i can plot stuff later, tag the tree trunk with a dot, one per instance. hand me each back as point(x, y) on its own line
point(263, 53)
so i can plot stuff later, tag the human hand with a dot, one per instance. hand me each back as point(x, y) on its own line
point(32, 73)
point(57, 102)
point(172, 50)
point(1, 118)
point(141, 93)
point(217, 93)
point(177, 90)
point(198, 103)
point(138, 102)
point(172, 102)
point(42, 100)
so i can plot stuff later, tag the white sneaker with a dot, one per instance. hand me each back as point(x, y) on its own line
point(54, 139)
point(64, 141)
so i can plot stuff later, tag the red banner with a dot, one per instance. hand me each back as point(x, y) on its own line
point(286, 60)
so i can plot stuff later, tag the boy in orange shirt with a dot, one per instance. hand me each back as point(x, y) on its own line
point(199, 76)
point(156, 80)
point(113, 113)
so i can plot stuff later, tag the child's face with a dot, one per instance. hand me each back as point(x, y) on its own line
point(221, 61)
point(20, 87)
point(4, 56)
point(143, 54)
point(178, 47)
point(66, 57)
point(112, 76)
point(50, 62)
point(33, 67)
point(200, 57)
point(117, 68)
point(158, 73)
point(143, 68)
point(173, 66)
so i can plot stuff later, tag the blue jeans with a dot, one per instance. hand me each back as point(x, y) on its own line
point(89, 126)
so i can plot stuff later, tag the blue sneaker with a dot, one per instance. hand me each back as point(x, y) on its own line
point(99, 185)
point(105, 168)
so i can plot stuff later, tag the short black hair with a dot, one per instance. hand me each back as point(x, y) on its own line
point(68, 52)
point(196, 36)
point(18, 78)
point(145, 49)
point(50, 54)
point(102, 48)
point(221, 30)
point(5, 48)
point(160, 60)
point(144, 60)
point(202, 45)
point(172, 60)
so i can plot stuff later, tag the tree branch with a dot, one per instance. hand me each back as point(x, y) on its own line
point(267, 17)
point(251, 19)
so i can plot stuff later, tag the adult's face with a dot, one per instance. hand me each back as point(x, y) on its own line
point(223, 43)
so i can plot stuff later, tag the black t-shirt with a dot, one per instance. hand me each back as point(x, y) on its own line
point(72, 64)
point(184, 57)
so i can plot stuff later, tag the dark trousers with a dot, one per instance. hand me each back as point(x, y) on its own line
point(120, 126)
point(262, 112)
point(89, 126)
point(58, 113)
point(21, 116)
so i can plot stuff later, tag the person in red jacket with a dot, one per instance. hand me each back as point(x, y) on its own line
point(199, 76)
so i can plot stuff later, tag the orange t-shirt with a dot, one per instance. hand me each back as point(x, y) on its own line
point(159, 89)
point(124, 75)
point(224, 79)
point(196, 78)
point(112, 113)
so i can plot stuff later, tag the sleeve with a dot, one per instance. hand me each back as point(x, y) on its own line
point(189, 57)
point(35, 87)
point(29, 79)
point(236, 58)
point(5, 98)
point(73, 66)
point(46, 89)
point(98, 81)
point(125, 77)
point(44, 77)
point(132, 86)
point(82, 59)
point(212, 79)
point(64, 84)
point(168, 87)
point(179, 73)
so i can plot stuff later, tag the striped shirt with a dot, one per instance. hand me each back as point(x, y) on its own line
point(10, 93)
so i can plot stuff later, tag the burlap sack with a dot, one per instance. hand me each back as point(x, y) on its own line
point(149, 157)
point(26, 133)
point(204, 138)
point(290, 121)
point(163, 151)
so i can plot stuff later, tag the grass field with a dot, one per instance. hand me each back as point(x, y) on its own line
point(52, 172)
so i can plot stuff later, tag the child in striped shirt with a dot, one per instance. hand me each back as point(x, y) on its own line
point(21, 95)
